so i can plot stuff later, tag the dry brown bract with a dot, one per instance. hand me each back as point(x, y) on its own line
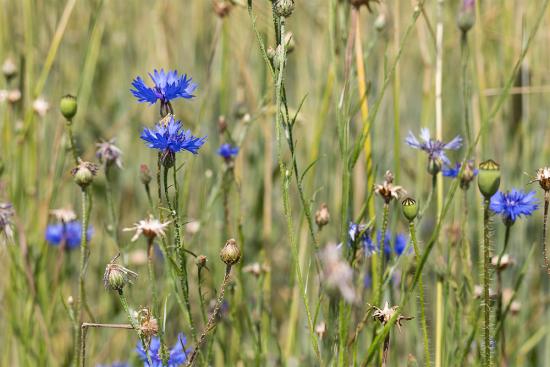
point(543, 178)
point(387, 313)
point(149, 227)
point(388, 190)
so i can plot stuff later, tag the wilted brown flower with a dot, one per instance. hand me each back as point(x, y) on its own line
point(388, 190)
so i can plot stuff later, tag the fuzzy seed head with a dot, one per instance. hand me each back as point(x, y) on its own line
point(284, 8)
point(116, 276)
point(543, 178)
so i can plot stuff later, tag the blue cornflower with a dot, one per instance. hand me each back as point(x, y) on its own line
point(361, 234)
point(70, 232)
point(399, 244)
point(169, 137)
point(168, 86)
point(434, 148)
point(513, 204)
point(227, 152)
point(177, 357)
point(468, 174)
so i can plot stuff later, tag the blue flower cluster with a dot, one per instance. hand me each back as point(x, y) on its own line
point(70, 232)
point(363, 235)
point(168, 136)
point(513, 204)
point(178, 355)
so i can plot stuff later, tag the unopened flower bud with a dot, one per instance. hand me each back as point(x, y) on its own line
point(68, 106)
point(466, 16)
point(145, 174)
point(14, 96)
point(322, 216)
point(488, 179)
point(230, 253)
point(84, 173)
point(201, 261)
point(222, 124)
point(116, 277)
point(9, 69)
point(284, 8)
point(222, 9)
point(410, 209)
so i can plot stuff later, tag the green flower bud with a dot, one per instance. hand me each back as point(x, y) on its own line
point(410, 209)
point(466, 20)
point(230, 253)
point(68, 106)
point(283, 8)
point(488, 179)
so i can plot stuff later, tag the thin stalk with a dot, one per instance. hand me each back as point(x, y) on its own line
point(465, 57)
point(179, 246)
point(544, 229)
point(486, 300)
point(424, 325)
point(438, 322)
point(112, 227)
point(380, 269)
point(84, 256)
point(500, 301)
point(212, 320)
point(72, 148)
point(134, 324)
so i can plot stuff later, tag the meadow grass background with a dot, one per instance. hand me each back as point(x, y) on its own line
point(105, 44)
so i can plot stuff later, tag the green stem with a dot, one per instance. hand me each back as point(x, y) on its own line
point(212, 320)
point(72, 148)
point(486, 300)
point(84, 256)
point(423, 323)
point(134, 324)
point(544, 254)
point(381, 259)
point(112, 226)
point(499, 314)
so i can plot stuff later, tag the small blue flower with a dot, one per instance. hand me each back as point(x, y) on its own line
point(513, 204)
point(177, 357)
point(170, 137)
point(399, 244)
point(361, 234)
point(168, 86)
point(227, 151)
point(70, 232)
point(434, 148)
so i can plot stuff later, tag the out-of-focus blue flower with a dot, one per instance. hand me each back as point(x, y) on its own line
point(367, 281)
point(178, 355)
point(435, 148)
point(513, 204)
point(361, 234)
point(227, 151)
point(169, 137)
point(450, 171)
point(399, 244)
point(167, 86)
point(70, 232)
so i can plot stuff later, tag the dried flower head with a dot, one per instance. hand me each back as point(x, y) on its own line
point(200, 261)
point(222, 8)
point(256, 269)
point(84, 173)
point(148, 325)
point(322, 216)
point(230, 254)
point(116, 276)
point(388, 190)
point(337, 274)
point(505, 261)
point(321, 329)
point(108, 153)
point(40, 106)
point(63, 215)
point(384, 315)
point(543, 178)
point(14, 96)
point(9, 68)
point(145, 174)
point(149, 228)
